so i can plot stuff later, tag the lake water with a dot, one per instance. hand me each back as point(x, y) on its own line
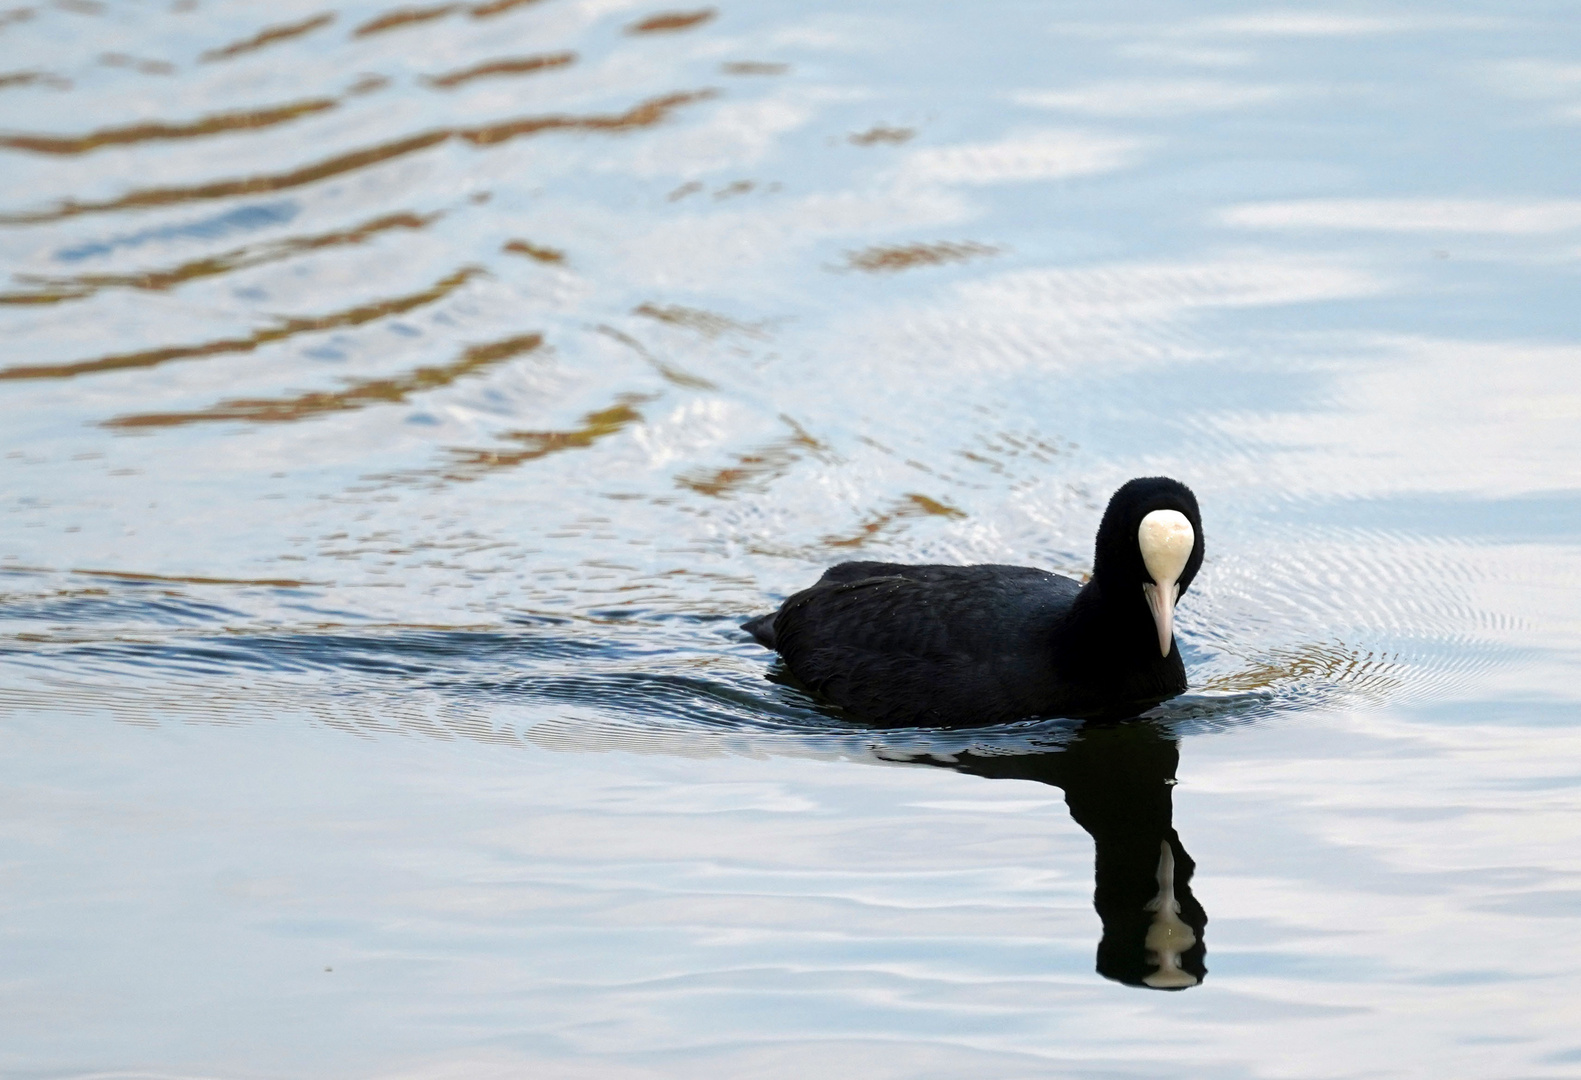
point(403, 406)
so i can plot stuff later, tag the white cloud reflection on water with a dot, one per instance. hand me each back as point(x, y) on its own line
point(1030, 156)
point(1535, 218)
point(1140, 98)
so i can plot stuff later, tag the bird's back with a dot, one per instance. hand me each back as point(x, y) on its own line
point(926, 644)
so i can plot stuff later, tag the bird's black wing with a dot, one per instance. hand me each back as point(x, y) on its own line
point(847, 572)
point(926, 644)
point(762, 627)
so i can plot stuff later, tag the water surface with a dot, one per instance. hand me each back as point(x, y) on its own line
point(404, 405)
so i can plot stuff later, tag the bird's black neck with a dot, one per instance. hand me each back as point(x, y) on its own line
point(1109, 643)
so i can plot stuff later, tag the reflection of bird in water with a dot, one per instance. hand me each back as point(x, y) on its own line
point(1117, 780)
point(968, 645)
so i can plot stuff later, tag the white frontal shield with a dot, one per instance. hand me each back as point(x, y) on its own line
point(1166, 539)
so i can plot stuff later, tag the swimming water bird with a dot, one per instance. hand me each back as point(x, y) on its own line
point(968, 645)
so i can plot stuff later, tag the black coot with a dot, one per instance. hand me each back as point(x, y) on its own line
point(968, 645)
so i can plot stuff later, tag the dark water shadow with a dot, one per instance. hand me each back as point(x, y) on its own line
point(1118, 779)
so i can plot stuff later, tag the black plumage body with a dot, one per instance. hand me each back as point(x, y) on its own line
point(966, 645)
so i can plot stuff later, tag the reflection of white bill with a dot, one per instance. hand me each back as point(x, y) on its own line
point(1168, 937)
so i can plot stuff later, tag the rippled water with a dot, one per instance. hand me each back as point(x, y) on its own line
point(404, 405)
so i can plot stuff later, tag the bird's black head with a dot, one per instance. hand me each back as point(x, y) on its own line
point(1118, 560)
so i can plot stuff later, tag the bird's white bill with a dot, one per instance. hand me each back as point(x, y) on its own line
point(1161, 602)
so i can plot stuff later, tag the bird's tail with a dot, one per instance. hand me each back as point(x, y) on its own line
point(762, 629)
